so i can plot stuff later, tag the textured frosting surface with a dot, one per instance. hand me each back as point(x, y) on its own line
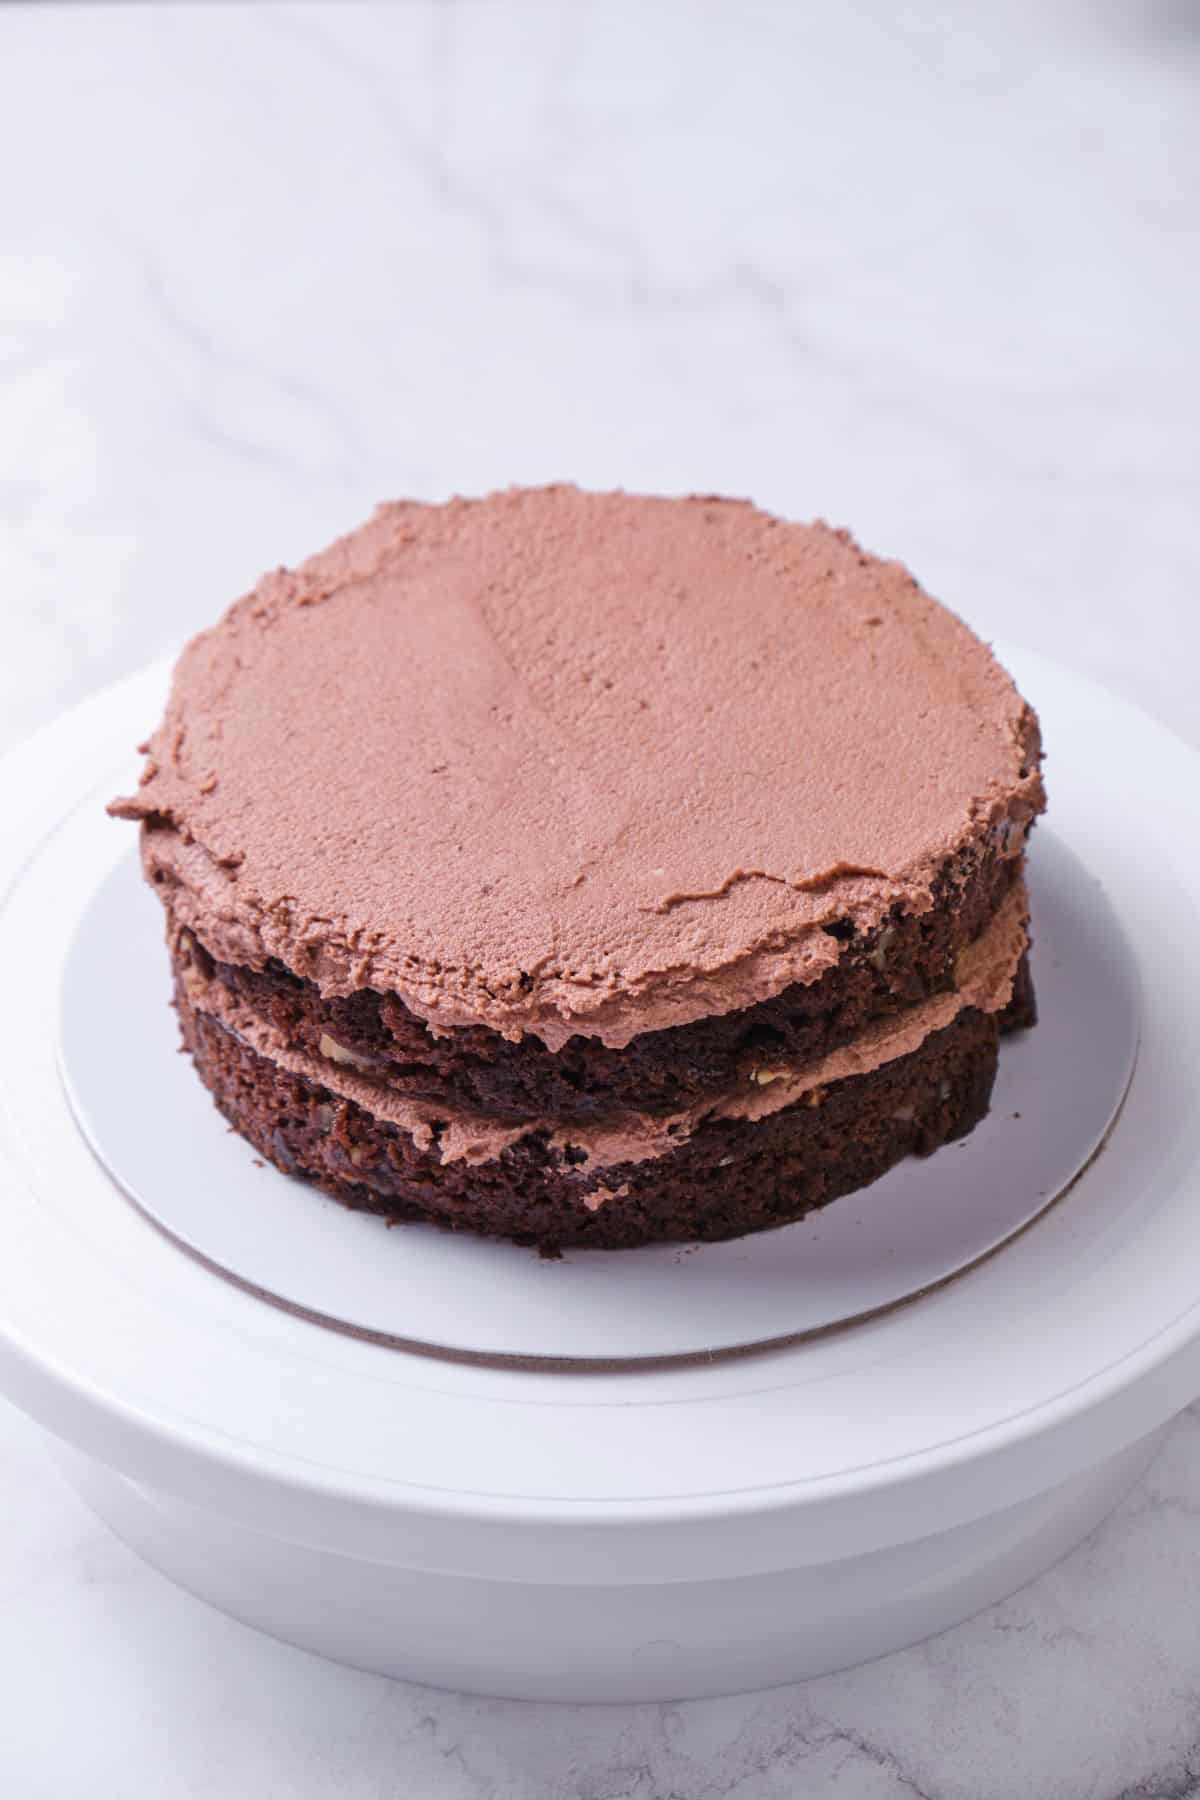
point(563, 762)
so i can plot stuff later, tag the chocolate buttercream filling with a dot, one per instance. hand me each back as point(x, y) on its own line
point(985, 977)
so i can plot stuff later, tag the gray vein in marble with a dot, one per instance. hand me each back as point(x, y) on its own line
point(742, 285)
point(209, 348)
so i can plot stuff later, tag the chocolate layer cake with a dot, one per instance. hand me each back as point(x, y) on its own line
point(593, 869)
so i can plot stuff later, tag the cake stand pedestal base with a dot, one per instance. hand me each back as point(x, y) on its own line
point(679, 1640)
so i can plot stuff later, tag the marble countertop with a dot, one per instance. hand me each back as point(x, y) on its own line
point(928, 271)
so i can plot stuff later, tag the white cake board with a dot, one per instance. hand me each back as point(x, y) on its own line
point(154, 1128)
point(646, 1533)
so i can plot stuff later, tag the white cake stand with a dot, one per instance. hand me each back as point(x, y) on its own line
point(703, 1516)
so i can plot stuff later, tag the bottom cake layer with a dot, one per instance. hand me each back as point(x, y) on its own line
point(731, 1176)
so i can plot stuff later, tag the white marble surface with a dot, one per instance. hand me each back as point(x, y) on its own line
point(928, 270)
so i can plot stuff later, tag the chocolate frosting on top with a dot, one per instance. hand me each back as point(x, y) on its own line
point(562, 762)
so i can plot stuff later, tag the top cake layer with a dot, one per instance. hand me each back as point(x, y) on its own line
point(555, 762)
